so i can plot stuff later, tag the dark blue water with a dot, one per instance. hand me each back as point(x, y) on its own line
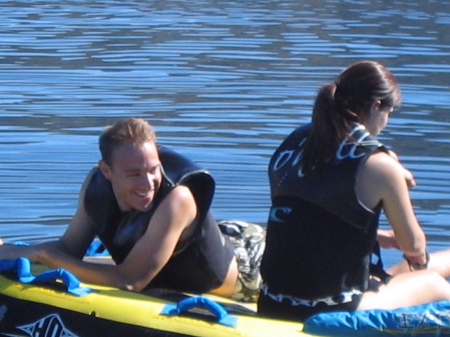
point(222, 81)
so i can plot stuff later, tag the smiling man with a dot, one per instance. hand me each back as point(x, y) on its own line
point(150, 208)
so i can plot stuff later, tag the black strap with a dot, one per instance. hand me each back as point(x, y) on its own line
point(378, 268)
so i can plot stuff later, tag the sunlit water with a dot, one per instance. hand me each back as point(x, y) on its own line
point(222, 81)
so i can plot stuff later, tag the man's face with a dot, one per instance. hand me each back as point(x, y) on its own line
point(135, 175)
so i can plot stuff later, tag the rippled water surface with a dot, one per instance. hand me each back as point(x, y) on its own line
point(222, 81)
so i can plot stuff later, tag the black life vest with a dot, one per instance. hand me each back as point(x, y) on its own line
point(319, 236)
point(199, 263)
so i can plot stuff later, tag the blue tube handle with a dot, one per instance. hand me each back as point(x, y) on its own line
point(68, 279)
point(223, 317)
point(22, 267)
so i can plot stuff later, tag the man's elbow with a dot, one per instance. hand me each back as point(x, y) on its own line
point(136, 287)
point(125, 281)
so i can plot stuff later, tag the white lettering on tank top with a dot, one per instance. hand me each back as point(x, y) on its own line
point(347, 149)
point(289, 157)
point(276, 213)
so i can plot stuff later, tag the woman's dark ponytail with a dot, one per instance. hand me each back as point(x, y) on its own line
point(327, 125)
point(345, 102)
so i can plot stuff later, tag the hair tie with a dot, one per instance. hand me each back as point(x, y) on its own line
point(336, 86)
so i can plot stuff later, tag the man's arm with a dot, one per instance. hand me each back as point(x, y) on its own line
point(74, 241)
point(175, 214)
point(170, 223)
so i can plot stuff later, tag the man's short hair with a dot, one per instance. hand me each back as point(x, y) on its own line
point(135, 130)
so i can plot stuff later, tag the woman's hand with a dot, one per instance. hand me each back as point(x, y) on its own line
point(407, 173)
point(386, 239)
point(409, 178)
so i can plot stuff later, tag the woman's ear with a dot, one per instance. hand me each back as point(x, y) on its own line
point(105, 169)
point(375, 107)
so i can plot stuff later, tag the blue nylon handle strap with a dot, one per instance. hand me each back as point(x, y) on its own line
point(201, 302)
point(22, 266)
point(96, 248)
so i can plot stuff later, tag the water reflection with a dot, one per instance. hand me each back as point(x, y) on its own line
point(222, 81)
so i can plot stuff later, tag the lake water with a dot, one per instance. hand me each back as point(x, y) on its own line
point(221, 81)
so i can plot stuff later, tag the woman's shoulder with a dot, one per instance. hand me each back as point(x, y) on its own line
point(382, 169)
point(380, 175)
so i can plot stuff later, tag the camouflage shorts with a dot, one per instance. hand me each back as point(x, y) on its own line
point(249, 242)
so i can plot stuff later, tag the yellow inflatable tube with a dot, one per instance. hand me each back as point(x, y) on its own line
point(48, 310)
